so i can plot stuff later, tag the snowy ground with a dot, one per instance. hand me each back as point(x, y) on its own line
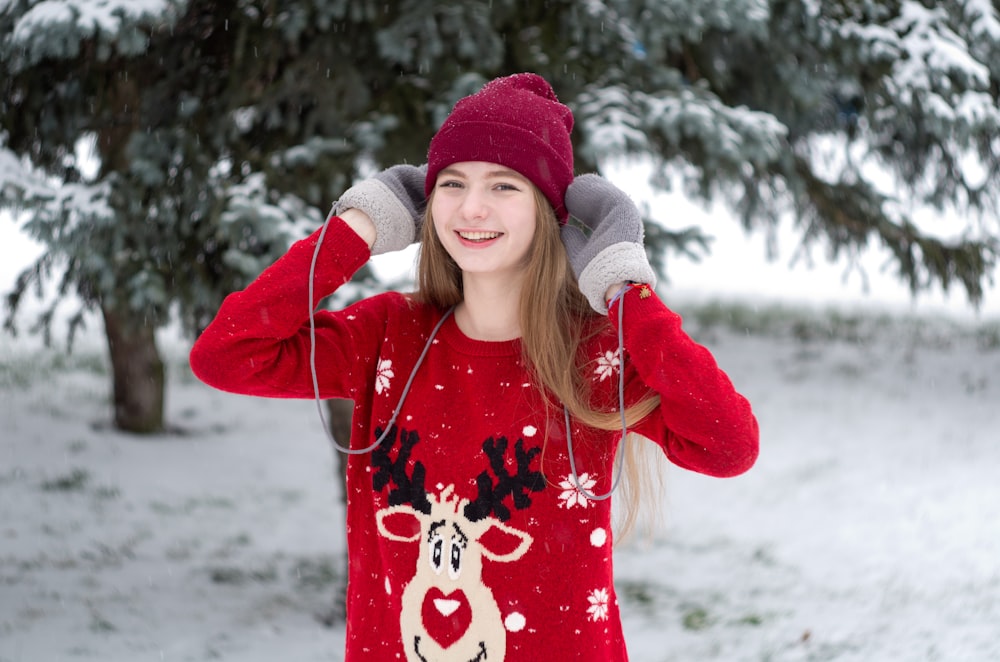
point(868, 531)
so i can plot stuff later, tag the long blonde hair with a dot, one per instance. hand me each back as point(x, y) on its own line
point(554, 316)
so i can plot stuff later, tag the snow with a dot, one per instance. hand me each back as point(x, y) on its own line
point(90, 16)
point(985, 23)
point(19, 179)
point(927, 38)
point(55, 28)
point(82, 201)
point(869, 529)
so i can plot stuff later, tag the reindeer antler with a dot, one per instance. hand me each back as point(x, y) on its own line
point(409, 488)
point(517, 485)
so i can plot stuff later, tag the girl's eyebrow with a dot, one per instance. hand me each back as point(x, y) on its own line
point(507, 172)
point(501, 172)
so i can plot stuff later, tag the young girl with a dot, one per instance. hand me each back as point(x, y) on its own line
point(488, 405)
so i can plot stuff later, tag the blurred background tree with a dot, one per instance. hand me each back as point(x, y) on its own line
point(165, 152)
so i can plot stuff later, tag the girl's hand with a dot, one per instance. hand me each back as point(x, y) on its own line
point(613, 253)
point(610, 293)
point(393, 201)
point(361, 223)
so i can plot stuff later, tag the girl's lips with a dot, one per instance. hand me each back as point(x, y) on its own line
point(477, 237)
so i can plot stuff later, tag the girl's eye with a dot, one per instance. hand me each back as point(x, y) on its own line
point(507, 187)
point(450, 183)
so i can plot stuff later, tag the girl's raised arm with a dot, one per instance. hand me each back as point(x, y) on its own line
point(261, 340)
point(702, 422)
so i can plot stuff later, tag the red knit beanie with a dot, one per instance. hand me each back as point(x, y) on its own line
point(517, 122)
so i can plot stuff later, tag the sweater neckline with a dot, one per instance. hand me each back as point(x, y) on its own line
point(451, 334)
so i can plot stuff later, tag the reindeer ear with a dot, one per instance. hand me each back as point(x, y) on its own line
point(502, 543)
point(399, 523)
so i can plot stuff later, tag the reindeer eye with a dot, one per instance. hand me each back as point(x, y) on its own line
point(437, 552)
point(455, 560)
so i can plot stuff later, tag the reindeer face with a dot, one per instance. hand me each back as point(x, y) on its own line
point(448, 613)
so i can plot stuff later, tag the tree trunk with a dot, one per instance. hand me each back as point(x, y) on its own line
point(137, 373)
point(341, 415)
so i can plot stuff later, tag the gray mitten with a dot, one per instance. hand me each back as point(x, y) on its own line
point(613, 252)
point(394, 199)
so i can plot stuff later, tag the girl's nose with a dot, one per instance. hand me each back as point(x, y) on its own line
point(474, 204)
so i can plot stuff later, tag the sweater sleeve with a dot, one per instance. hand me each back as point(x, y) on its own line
point(259, 342)
point(702, 423)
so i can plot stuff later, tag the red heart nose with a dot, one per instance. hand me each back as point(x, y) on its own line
point(446, 617)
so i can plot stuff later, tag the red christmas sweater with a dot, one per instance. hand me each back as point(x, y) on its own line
point(467, 537)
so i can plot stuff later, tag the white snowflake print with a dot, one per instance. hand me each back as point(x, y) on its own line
point(383, 374)
point(606, 365)
point(571, 495)
point(598, 608)
point(514, 622)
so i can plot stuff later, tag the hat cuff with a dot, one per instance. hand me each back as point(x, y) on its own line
point(507, 145)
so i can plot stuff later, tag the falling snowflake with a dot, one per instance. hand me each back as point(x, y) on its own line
point(383, 374)
point(598, 608)
point(572, 495)
point(606, 365)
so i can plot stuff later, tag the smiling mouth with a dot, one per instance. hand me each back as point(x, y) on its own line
point(479, 235)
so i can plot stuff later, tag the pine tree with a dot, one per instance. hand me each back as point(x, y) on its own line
point(224, 129)
point(847, 115)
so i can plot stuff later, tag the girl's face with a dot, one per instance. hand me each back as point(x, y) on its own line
point(484, 215)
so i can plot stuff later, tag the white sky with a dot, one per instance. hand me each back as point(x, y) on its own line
point(738, 267)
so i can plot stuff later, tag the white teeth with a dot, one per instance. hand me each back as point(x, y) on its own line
point(478, 236)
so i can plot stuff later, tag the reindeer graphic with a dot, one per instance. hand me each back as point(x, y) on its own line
point(448, 613)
